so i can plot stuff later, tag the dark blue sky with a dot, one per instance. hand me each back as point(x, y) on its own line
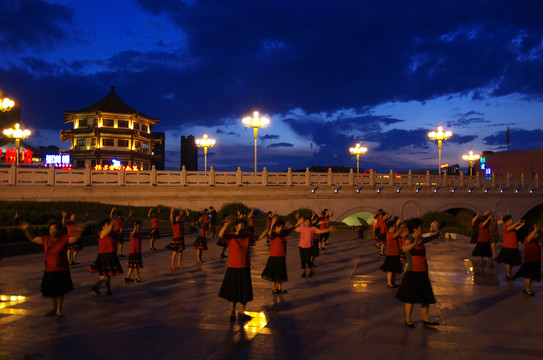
point(328, 74)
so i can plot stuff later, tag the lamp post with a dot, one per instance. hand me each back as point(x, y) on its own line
point(255, 122)
point(205, 142)
point(357, 150)
point(17, 134)
point(6, 104)
point(471, 157)
point(440, 135)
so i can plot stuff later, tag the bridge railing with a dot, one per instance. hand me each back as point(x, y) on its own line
point(24, 176)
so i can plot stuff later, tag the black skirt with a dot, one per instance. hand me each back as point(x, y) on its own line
point(154, 234)
point(106, 265)
point(76, 246)
point(509, 256)
point(237, 285)
point(134, 261)
point(200, 243)
point(315, 252)
point(416, 288)
point(276, 269)
point(56, 283)
point(482, 249)
point(530, 270)
point(392, 264)
point(177, 245)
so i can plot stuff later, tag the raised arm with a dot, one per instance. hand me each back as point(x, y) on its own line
point(225, 226)
point(474, 219)
point(64, 214)
point(78, 231)
point(112, 213)
point(533, 234)
point(25, 227)
point(171, 214)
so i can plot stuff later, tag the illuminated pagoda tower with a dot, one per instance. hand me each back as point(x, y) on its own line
point(111, 130)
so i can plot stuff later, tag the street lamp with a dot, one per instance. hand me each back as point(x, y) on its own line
point(255, 122)
point(357, 150)
point(17, 134)
point(6, 104)
point(440, 135)
point(471, 157)
point(205, 142)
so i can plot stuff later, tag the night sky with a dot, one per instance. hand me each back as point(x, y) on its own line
point(327, 74)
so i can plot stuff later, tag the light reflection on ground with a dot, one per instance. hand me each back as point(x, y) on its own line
point(257, 323)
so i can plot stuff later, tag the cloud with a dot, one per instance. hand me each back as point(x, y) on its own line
point(269, 137)
point(521, 139)
point(280, 145)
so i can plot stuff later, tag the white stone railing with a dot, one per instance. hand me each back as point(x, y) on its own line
point(23, 176)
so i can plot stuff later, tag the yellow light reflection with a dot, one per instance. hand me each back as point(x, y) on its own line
point(10, 300)
point(257, 323)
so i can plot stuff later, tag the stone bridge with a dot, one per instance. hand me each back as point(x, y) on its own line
point(404, 194)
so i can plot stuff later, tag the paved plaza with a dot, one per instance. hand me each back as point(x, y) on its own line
point(344, 312)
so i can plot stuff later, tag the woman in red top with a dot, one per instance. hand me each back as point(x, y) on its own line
point(510, 254)
point(56, 279)
point(237, 286)
point(68, 220)
point(106, 263)
point(135, 261)
point(416, 287)
point(393, 264)
point(531, 267)
point(276, 267)
point(178, 241)
point(483, 249)
point(200, 243)
point(117, 217)
point(154, 234)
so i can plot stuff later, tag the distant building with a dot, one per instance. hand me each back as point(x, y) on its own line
point(189, 153)
point(111, 130)
point(527, 162)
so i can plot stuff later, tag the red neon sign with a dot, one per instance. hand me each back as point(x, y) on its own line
point(127, 168)
point(10, 155)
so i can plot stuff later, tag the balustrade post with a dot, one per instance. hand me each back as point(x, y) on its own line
point(477, 180)
point(372, 178)
point(428, 183)
point(391, 178)
point(330, 177)
point(12, 175)
point(238, 177)
point(536, 181)
point(211, 176)
point(307, 177)
point(183, 180)
point(493, 180)
point(462, 184)
point(264, 176)
point(445, 180)
point(351, 177)
point(153, 175)
point(410, 178)
point(289, 177)
point(51, 176)
point(122, 177)
point(87, 181)
point(522, 180)
point(508, 180)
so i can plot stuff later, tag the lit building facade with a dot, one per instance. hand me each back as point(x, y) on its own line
point(527, 162)
point(111, 130)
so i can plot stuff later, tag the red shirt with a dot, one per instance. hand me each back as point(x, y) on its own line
point(509, 238)
point(416, 257)
point(532, 251)
point(484, 233)
point(135, 244)
point(238, 249)
point(154, 222)
point(251, 221)
point(306, 236)
point(177, 228)
point(117, 226)
point(278, 243)
point(56, 258)
point(70, 224)
point(393, 248)
point(107, 245)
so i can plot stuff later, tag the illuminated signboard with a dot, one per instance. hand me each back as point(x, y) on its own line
point(58, 160)
point(116, 165)
point(10, 156)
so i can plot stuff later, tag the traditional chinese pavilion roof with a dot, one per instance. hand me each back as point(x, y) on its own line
point(112, 103)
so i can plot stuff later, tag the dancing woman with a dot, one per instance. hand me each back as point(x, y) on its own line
point(276, 267)
point(531, 267)
point(510, 254)
point(416, 287)
point(56, 278)
point(178, 241)
point(154, 234)
point(393, 263)
point(482, 248)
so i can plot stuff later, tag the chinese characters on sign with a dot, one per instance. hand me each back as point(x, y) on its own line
point(58, 160)
point(116, 167)
point(10, 156)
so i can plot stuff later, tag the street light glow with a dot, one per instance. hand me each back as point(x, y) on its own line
point(440, 136)
point(255, 122)
point(6, 104)
point(205, 142)
point(471, 157)
point(17, 134)
point(357, 150)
